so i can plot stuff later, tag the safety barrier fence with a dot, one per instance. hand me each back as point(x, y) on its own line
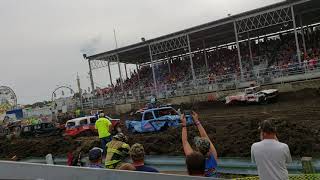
point(30, 171)
point(225, 165)
point(18, 170)
point(271, 75)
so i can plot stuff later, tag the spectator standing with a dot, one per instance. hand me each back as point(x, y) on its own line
point(203, 145)
point(270, 155)
point(104, 127)
point(95, 158)
point(137, 155)
point(196, 164)
point(117, 151)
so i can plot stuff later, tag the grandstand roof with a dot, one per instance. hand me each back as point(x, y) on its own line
point(217, 32)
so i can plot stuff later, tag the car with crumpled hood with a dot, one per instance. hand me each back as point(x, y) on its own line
point(155, 119)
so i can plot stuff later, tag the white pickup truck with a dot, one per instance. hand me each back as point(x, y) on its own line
point(253, 95)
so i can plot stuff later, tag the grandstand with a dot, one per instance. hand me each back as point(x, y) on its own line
point(272, 44)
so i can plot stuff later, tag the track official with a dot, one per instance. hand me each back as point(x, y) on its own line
point(104, 127)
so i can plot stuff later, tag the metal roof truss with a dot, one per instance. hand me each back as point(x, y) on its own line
point(267, 19)
point(101, 63)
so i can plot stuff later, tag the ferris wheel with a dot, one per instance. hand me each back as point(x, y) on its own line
point(7, 97)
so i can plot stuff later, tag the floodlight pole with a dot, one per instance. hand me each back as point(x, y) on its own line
point(250, 50)
point(191, 62)
point(303, 38)
point(118, 60)
point(169, 66)
point(205, 54)
point(121, 81)
point(91, 76)
point(80, 91)
point(125, 68)
point(153, 72)
point(139, 93)
point(110, 76)
point(295, 34)
point(238, 48)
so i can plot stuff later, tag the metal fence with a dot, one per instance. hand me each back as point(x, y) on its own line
point(270, 75)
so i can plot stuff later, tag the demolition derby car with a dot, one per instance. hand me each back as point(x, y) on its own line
point(156, 119)
point(85, 126)
point(253, 95)
point(17, 129)
point(40, 130)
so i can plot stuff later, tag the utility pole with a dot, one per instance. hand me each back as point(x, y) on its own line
point(79, 89)
point(121, 80)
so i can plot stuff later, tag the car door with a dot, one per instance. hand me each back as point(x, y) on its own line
point(42, 128)
point(49, 128)
point(147, 122)
point(162, 118)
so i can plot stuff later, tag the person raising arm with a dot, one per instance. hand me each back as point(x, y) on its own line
point(203, 145)
point(204, 134)
point(186, 146)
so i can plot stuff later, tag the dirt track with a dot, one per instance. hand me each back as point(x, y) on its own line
point(233, 128)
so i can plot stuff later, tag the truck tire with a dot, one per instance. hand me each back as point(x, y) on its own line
point(262, 100)
point(131, 129)
point(164, 127)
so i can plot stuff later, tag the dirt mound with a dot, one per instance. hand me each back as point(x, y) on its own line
point(34, 147)
point(39, 147)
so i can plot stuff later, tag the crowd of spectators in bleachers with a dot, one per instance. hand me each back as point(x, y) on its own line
point(278, 50)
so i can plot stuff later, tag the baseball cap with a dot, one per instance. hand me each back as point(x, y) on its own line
point(121, 137)
point(137, 152)
point(95, 154)
point(101, 114)
point(202, 144)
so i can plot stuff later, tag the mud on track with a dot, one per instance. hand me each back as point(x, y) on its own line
point(233, 129)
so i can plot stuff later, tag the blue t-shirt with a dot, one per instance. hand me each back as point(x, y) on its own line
point(146, 169)
point(211, 165)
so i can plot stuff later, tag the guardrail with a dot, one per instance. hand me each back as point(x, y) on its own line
point(17, 170)
point(177, 164)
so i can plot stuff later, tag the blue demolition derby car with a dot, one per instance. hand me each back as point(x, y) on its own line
point(155, 119)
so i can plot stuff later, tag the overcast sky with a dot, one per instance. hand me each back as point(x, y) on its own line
point(41, 41)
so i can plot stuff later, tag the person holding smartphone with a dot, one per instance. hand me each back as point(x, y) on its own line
point(203, 145)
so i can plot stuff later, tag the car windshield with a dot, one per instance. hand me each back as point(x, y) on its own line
point(71, 124)
point(48, 125)
point(250, 91)
point(83, 122)
point(26, 129)
point(164, 112)
point(93, 120)
point(136, 116)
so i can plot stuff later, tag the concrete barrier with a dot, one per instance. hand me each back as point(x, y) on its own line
point(17, 170)
point(123, 108)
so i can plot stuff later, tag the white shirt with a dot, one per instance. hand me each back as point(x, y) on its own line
point(271, 158)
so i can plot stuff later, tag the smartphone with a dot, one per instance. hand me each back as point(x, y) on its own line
point(187, 112)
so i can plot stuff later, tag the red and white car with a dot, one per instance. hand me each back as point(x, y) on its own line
point(253, 95)
point(85, 126)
